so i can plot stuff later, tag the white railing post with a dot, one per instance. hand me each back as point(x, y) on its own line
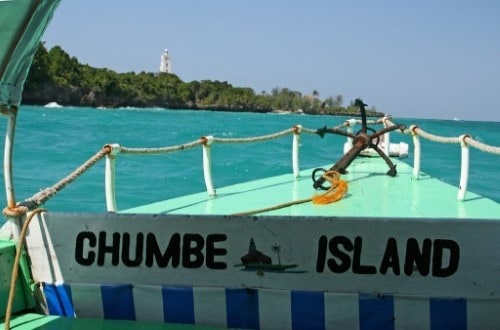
point(416, 152)
point(464, 169)
point(387, 138)
point(295, 151)
point(13, 221)
point(11, 113)
point(207, 164)
point(350, 124)
point(109, 177)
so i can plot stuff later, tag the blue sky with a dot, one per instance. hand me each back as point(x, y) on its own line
point(423, 59)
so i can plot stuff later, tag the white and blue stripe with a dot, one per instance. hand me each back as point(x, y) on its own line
point(269, 309)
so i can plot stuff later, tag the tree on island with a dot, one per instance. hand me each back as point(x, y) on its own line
point(58, 77)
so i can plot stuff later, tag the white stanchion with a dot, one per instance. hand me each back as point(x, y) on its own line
point(464, 169)
point(109, 177)
point(207, 165)
point(295, 151)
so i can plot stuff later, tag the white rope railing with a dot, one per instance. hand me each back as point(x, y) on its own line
point(465, 141)
point(206, 142)
point(256, 138)
point(161, 150)
point(481, 146)
point(111, 151)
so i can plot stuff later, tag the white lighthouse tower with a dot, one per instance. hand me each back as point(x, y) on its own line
point(166, 62)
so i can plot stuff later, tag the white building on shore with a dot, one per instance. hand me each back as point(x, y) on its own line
point(166, 62)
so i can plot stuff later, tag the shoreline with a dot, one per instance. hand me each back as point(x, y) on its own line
point(56, 105)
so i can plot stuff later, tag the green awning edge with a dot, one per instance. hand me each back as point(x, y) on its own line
point(22, 24)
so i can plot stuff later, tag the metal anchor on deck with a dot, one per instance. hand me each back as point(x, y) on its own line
point(361, 141)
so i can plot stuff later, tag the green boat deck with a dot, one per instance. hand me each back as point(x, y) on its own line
point(36, 321)
point(370, 193)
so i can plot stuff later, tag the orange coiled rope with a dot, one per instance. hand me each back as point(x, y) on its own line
point(336, 191)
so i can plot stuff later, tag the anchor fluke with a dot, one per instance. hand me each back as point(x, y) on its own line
point(321, 131)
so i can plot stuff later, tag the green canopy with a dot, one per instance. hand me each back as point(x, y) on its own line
point(22, 23)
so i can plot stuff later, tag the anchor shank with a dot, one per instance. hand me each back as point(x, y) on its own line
point(344, 162)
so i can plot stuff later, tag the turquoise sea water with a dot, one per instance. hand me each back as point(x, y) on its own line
point(50, 143)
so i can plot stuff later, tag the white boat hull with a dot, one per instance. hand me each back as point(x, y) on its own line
point(188, 269)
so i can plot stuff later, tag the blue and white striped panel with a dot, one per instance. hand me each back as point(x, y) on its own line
point(87, 300)
point(148, 303)
point(341, 311)
point(59, 300)
point(208, 302)
point(274, 309)
point(269, 309)
point(411, 313)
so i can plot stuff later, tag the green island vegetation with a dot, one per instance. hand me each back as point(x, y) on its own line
point(58, 77)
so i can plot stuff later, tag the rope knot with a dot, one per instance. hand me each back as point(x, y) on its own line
point(207, 140)
point(16, 211)
point(297, 129)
